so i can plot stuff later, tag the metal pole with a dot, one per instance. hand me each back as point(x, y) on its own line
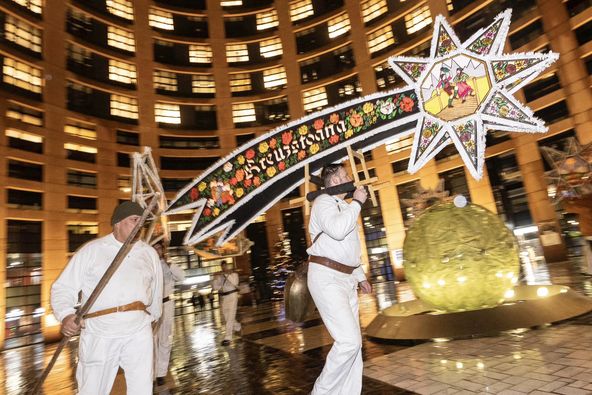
point(97, 291)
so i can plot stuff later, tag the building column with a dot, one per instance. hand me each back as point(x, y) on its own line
point(3, 221)
point(391, 209)
point(290, 57)
point(481, 192)
point(54, 233)
point(359, 42)
point(533, 176)
point(571, 70)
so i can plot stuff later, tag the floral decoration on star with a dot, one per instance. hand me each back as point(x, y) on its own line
point(465, 88)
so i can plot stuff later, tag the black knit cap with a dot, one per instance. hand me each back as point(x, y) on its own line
point(124, 210)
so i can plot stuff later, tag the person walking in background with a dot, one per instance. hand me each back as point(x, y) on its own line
point(117, 331)
point(334, 274)
point(226, 283)
point(164, 331)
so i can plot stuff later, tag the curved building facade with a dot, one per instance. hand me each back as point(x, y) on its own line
point(86, 83)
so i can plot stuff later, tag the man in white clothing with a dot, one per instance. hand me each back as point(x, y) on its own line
point(334, 275)
point(164, 334)
point(117, 331)
point(226, 283)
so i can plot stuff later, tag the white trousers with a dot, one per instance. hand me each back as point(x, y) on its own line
point(336, 298)
point(100, 358)
point(229, 305)
point(164, 338)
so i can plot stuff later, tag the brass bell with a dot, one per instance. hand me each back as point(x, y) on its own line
point(299, 305)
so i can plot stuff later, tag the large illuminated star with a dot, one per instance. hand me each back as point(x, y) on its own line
point(465, 89)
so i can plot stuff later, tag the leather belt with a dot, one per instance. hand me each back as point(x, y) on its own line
point(166, 299)
point(229, 292)
point(330, 263)
point(133, 306)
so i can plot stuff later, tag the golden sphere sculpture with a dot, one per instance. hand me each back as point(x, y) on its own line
point(460, 258)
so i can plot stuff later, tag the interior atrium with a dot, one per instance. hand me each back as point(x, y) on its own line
point(86, 83)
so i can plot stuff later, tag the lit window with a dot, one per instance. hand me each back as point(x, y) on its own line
point(122, 72)
point(300, 10)
point(372, 9)
point(119, 38)
point(161, 19)
point(80, 148)
point(271, 48)
point(267, 20)
point(338, 26)
point(80, 129)
point(121, 8)
point(167, 113)
point(21, 75)
point(165, 80)
point(237, 53)
point(240, 82)
point(449, 5)
point(243, 112)
point(25, 114)
point(399, 145)
point(381, 39)
point(22, 33)
point(231, 3)
point(203, 83)
point(418, 19)
point(124, 184)
point(124, 106)
point(274, 77)
point(314, 99)
point(200, 53)
point(18, 134)
point(32, 5)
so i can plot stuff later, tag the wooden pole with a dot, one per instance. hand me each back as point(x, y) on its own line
point(98, 289)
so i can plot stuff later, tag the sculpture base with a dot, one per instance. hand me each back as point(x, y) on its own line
point(531, 306)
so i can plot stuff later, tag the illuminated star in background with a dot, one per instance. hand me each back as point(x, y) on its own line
point(571, 176)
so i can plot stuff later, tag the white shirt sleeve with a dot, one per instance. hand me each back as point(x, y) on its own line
point(217, 282)
point(359, 274)
point(233, 279)
point(64, 291)
point(334, 220)
point(155, 308)
point(177, 272)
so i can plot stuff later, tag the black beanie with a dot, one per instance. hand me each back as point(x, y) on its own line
point(124, 210)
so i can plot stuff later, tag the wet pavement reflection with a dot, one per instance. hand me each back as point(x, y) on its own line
point(273, 355)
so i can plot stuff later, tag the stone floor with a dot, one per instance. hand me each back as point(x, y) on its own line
point(274, 356)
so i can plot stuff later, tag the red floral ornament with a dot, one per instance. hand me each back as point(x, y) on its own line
point(250, 154)
point(247, 182)
point(233, 181)
point(334, 139)
point(282, 166)
point(406, 104)
point(194, 194)
point(318, 124)
point(207, 212)
point(286, 138)
point(301, 154)
point(334, 118)
point(272, 143)
point(256, 181)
